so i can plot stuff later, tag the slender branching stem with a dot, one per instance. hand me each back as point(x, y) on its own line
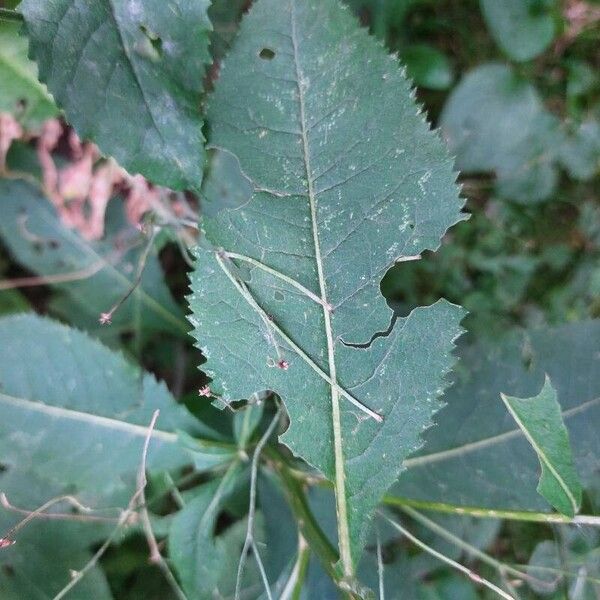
point(502, 568)
point(125, 517)
point(249, 541)
point(9, 537)
point(105, 318)
point(442, 557)
point(295, 582)
point(380, 567)
point(156, 557)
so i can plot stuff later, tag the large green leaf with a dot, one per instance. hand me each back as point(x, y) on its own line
point(346, 179)
point(496, 121)
point(128, 75)
point(522, 28)
point(76, 414)
point(21, 93)
point(540, 420)
point(477, 456)
point(102, 272)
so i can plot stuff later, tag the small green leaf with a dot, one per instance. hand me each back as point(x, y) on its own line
point(76, 414)
point(346, 179)
point(582, 78)
point(522, 28)
point(129, 77)
point(541, 421)
point(21, 94)
point(427, 66)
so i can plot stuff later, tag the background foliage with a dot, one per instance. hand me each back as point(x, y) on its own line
point(515, 89)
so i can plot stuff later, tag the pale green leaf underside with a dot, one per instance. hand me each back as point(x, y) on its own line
point(21, 93)
point(346, 179)
point(74, 413)
point(129, 76)
point(540, 419)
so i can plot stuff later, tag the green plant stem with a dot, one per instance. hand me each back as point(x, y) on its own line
point(302, 569)
point(308, 526)
point(469, 511)
point(249, 541)
point(490, 513)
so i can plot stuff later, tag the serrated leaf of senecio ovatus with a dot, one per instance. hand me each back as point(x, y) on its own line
point(347, 179)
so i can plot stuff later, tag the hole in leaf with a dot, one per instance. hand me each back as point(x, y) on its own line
point(150, 46)
point(267, 54)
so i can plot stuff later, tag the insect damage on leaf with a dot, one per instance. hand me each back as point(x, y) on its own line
point(347, 179)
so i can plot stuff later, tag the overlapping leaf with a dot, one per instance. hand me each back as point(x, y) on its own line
point(479, 457)
point(46, 552)
point(129, 77)
point(496, 121)
point(207, 562)
point(346, 179)
point(76, 414)
point(94, 275)
point(21, 93)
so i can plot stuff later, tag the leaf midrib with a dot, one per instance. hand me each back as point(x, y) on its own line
point(85, 417)
point(340, 472)
point(542, 455)
point(469, 447)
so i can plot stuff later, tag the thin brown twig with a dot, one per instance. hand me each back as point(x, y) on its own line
point(41, 514)
point(156, 557)
point(249, 541)
point(105, 318)
point(8, 538)
point(123, 519)
point(21, 282)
